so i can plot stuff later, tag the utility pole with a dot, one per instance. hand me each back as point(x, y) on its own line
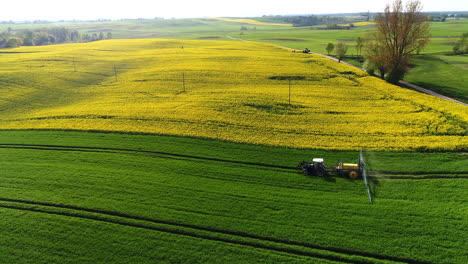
point(183, 80)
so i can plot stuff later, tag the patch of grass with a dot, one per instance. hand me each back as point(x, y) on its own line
point(441, 73)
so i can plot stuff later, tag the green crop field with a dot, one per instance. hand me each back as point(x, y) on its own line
point(79, 197)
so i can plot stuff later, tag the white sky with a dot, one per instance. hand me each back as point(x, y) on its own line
point(117, 9)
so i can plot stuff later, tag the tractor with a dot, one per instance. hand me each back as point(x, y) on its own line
point(350, 170)
point(318, 168)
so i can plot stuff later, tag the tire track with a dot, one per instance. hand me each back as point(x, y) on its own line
point(398, 175)
point(418, 172)
point(119, 150)
point(434, 177)
point(233, 237)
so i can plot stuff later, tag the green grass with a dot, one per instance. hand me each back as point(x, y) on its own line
point(429, 69)
point(96, 197)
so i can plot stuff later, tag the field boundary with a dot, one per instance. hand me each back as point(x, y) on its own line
point(226, 236)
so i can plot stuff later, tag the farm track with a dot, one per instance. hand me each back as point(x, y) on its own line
point(381, 175)
point(200, 232)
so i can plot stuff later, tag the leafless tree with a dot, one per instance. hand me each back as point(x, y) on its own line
point(401, 31)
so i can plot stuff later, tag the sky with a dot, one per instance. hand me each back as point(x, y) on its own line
point(20, 10)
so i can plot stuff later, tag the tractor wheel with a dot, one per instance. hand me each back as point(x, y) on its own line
point(353, 175)
point(320, 172)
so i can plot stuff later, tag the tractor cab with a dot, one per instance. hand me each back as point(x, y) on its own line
point(317, 168)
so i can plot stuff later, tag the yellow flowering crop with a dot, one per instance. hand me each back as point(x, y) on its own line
point(228, 90)
point(250, 21)
point(359, 24)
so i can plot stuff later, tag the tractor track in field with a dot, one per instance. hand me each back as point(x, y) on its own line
point(200, 232)
point(120, 150)
point(380, 174)
point(434, 177)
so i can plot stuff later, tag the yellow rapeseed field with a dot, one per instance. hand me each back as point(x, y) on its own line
point(359, 24)
point(250, 21)
point(228, 90)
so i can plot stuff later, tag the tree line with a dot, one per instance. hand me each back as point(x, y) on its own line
point(47, 36)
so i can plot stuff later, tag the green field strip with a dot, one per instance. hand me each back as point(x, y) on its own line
point(266, 202)
point(396, 176)
point(417, 175)
point(226, 236)
point(117, 150)
point(91, 241)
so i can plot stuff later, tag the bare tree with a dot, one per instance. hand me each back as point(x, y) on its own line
point(401, 31)
point(376, 57)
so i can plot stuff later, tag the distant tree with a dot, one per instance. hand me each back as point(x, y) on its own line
point(401, 30)
point(461, 47)
point(86, 38)
point(109, 35)
point(28, 41)
point(359, 45)
point(243, 28)
point(101, 36)
point(341, 50)
point(75, 36)
point(14, 42)
point(94, 37)
point(330, 47)
point(53, 39)
point(42, 39)
point(61, 34)
point(9, 30)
